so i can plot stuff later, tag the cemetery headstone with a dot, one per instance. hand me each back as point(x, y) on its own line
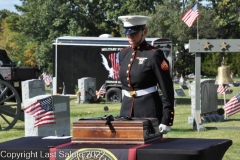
point(208, 99)
point(34, 90)
point(184, 86)
point(87, 87)
point(179, 92)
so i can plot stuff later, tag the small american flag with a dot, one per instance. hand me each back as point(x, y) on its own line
point(42, 111)
point(47, 78)
point(101, 91)
point(181, 80)
point(233, 105)
point(222, 89)
point(191, 15)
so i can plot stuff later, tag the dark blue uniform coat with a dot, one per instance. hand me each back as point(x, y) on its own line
point(142, 67)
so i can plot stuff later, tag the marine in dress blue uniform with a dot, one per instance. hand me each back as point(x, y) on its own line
point(143, 68)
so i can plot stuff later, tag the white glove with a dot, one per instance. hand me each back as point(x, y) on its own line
point(163, 129)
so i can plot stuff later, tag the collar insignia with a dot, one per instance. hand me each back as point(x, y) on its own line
point(141, 59)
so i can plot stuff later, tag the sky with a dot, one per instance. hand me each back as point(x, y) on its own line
point(9, 4)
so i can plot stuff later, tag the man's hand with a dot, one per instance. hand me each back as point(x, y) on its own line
point(163, 129)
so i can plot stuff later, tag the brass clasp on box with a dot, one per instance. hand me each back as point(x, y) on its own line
point(133, 93)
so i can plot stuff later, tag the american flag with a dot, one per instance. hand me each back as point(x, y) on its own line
point(113, 57)
point(233, 105)
point(191, 15)
point(42, 111)
point(101, 91)
point(222, 89)
point(47, 78)
point(181, 80)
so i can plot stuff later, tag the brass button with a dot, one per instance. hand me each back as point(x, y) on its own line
point(128, 85)
point(127, 71)
point(133, 53)
point(131, 59)
point(133, 93)
point(138, 47)
point(127, 78)
point(171, 112)
point(128, 65)
point(170, 123)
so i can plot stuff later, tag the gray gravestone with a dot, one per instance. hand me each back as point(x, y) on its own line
point(208, 93)
point(30, 89)
point(230, 85)
point(176, 81)
point(179, 92)
point(87, 87)
point(208, 100)
point(61, 107)
point(33, 90)
point(184, 86)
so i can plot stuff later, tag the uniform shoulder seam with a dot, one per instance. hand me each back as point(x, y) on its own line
point(126, 48)
point(151, 48)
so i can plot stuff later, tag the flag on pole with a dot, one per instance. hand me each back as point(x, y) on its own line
point(191, 15)
point(222, 89)
point(101, 91)
point(181, 80)
point(47, 78)
point(233, 105)
point(42, 111)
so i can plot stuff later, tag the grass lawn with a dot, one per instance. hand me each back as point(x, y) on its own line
point(229, 129)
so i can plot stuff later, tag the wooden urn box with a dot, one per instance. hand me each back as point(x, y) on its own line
point(138, 131)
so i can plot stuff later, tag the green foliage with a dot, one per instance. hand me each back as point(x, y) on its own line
point(76, 90)
point(228, 18)
point(166, 22)
point(32, 31)
point(8, 38)
point(54, 18)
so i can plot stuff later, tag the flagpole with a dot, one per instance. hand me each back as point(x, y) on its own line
point(197, 25)
point(197, 30)
point(224, 94)
point(55, 128)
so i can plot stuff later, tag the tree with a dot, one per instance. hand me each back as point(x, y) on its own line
point(227, 21)
point(42, 21)
point(166, 22)
point(8, 38)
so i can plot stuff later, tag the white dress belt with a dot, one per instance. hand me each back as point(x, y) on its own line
point(140, 92)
